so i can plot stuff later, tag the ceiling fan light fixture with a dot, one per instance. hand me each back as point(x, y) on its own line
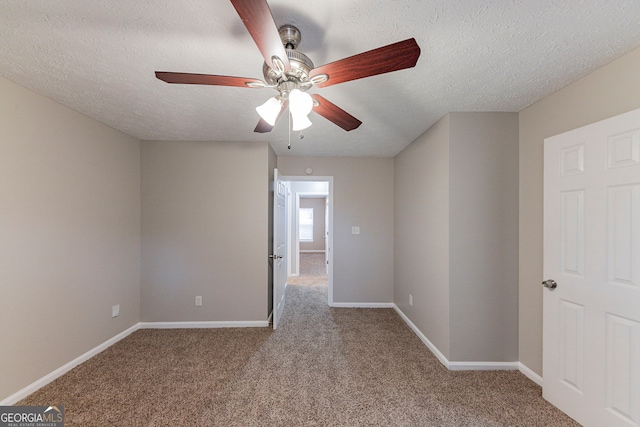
point(270, 110)
point(300, 105)
point(299, 122)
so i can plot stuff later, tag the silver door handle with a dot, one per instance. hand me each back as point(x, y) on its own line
point(550, 284)
point(274, 256)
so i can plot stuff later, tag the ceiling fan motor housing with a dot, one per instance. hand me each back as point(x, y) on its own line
point(300, 63)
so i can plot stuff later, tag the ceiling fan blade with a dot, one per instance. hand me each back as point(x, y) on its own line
point(264, 127)
point(208, 79)
point(256, 16)
point(335, 114)
point(393, 57)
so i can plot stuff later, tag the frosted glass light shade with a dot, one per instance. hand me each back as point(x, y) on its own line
point(300, 102)
point(299, 122)
point(270, 110)
point(300, 105)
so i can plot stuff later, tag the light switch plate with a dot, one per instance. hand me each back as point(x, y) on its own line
point(115, 310)
point(355, 230)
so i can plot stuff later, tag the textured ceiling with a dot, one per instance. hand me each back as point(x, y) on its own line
point(99, 57)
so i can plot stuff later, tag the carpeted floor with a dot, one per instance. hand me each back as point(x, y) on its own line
point(323, 367)
point(313, 264)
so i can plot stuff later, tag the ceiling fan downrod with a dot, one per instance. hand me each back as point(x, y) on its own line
point(290, 36)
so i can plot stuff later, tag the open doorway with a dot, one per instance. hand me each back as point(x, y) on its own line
point(312, 235)
point(309, 226)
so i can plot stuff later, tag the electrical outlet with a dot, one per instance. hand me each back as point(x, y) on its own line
point(355, 230)
point(410, 300)
point(115, 310)
point(198, 301)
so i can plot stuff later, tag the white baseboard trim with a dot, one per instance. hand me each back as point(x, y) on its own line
point(203, 325)
point(362, 304)
point(33, 387)
point(422, 337)
point(483, 366)
point(456, 366)
point(530, 374)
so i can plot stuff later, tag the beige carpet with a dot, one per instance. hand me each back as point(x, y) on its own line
point(313, 264)
point(323, 367)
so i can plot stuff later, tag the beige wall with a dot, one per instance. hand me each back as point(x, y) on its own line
point(609, 91)
point(483, 246)
point(362, 196)
point(421, 233)
point(70, 227)
point(204, 231)
point(318, 205)
point(456, 235)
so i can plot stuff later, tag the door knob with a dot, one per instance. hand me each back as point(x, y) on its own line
point(550, 284)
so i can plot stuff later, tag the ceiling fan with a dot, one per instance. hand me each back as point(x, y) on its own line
point(291, 73)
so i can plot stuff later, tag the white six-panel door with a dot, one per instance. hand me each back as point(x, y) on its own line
point(279, 247)
point(591, 328)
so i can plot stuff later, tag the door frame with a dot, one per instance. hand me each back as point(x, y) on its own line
point(329, 226)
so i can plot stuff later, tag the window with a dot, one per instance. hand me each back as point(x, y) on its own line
point(305, 221)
